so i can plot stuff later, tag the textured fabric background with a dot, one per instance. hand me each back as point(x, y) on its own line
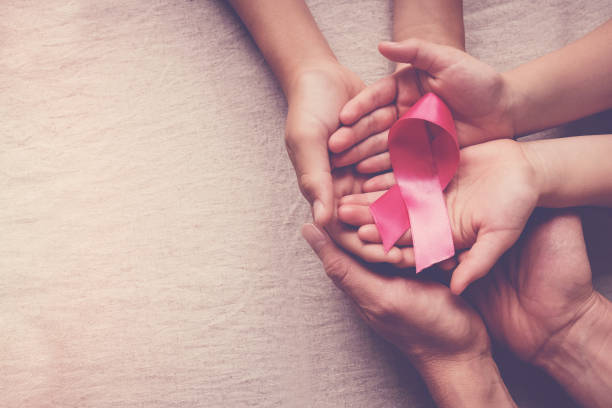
point(149, 216)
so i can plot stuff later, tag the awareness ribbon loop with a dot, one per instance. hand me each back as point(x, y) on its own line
point(424, 155)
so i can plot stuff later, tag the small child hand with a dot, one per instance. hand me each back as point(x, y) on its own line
point(345, 181)
point(479, 97)
point(379, 106)
point(488, 201)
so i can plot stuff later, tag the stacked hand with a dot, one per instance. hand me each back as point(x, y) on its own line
point(489, 201)
point(531, 302)
point(538, 299)
point(540, 288)
point(316, 97)
point(536, 294)
point(493, 193)
point(477, 94)
point(444, 338)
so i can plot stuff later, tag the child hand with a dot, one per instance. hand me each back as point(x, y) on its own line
point(488, 201)
point(479, 97)
point(396, 94)
point(345, 182)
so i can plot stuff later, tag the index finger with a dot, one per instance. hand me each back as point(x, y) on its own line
point(377, 95)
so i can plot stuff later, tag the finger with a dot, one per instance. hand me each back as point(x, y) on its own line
point(407, 258)
point(376, 122)
point(375, 164)
point(377, 95)
point(478, 260)
point(360, 199)
point(349, 275)
point(380, 182)
point(356, 215)
point(310, 158)
point(371, 146)
point(448, 264)
point(423, 55)
point(347, 238)
point(369, 233)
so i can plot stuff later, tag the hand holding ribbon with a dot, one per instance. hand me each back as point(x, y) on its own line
point(424, 160)
point(489, 201)
point(478, 95)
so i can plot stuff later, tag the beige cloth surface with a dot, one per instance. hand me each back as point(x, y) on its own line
point(149, 216)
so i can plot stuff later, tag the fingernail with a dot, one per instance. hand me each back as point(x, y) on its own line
point(314, 236)
point(317, 212)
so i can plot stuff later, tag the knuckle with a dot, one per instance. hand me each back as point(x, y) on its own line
point(291, 137)
point(357, 153)
point(337, 269)
point(373, 99)
point(383, 310)
point(308, 184)
point(291, 143)
point(313, 183)
point(389, 115)
point(370, 122)
point(350, 133)
point(381, 142)
point(297, 133)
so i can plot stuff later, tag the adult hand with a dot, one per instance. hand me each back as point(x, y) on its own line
point(540, 288)
point(444, 338)
point(539, 302)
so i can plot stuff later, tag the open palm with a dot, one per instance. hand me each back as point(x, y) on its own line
point(422, 318)
point(316, 99)
point(489, 201)
point(476, 94)
point(540, 287)
point(376, 108)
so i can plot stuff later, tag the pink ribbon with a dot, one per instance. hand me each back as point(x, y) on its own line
point(424, 156)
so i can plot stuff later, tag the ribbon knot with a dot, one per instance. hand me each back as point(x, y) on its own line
point(424, 156)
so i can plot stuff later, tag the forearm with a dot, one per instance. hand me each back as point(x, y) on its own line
point(438, 21)
point(573, 171)
point(472, 383)
point(286, 34)
point(564, 85)
point(580, 357)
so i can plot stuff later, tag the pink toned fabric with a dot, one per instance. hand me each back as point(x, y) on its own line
point(424, 155)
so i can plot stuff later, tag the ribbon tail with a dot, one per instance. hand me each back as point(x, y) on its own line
point(431, 231)
point(390, 216)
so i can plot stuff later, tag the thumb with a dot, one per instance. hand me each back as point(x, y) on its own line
point(349, 275)
point(310, 158)
point(480, 259)
point(317, 188)
point(426, 56)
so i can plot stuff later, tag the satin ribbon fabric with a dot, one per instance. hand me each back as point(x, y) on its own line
point(424, 156)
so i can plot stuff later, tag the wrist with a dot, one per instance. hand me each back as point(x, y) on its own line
point(297, 71)
point(579, 357)
point(465, 382)
point(541, 178)
point(512, 102)
point(434, 34)
point(521, 104)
